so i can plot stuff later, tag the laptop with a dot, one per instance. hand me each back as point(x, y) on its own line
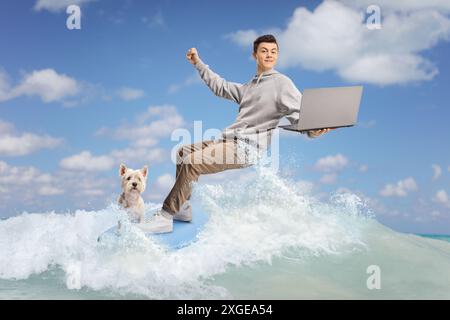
point(328, 108)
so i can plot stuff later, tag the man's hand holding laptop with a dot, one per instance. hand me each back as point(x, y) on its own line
point(316, 133)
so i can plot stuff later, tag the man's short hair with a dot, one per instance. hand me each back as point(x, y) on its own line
point(265, 38)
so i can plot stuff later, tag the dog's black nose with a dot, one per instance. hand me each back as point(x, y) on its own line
point(134, 184)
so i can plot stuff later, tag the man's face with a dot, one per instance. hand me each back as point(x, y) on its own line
point(266, 55)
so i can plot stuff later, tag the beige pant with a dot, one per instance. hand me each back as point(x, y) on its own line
point(193, 160)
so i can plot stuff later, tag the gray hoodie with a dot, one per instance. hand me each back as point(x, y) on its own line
point(263, 101)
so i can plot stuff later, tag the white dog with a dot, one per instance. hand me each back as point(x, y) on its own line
point(133, 184)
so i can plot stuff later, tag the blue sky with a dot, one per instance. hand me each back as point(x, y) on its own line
point(74, 103)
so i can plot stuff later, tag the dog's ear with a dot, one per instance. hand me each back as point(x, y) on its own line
point(144, 171)
point(122, 169)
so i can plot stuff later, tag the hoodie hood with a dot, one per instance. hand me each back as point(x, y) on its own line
point(264, 74)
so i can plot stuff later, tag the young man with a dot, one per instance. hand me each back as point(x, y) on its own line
point(263, 101)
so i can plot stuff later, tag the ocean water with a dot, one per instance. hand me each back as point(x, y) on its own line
point(266, 238)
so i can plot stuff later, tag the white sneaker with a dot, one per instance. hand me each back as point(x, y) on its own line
point(185, 213)
point(160, 222)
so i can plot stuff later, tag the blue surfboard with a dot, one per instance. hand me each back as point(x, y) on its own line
point(183, 234)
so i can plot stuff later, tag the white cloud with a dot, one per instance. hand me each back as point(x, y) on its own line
point(85, 161)
point(401, 5)
point(145, 142)
point(437, 171)
point(401, 189)
point(159, 189)
point(26, 181)
point(50, 191)
point(17, 176)
point(14, 144)
point(90, 192)
point(57, 5)
point(25, 144)
point(3, 166)
point(143, 134)
point(4, 84)
point(89, 93)
point(385, 69)
point(363, 168)
point(140, 155)
point(442, 198)
point(90, 184)
point(27, 188)
point(46, 83)
point(243, 37)
point(6, 127)
point(157, 20)
point(128, 94)
point(165, 181)
point(156, 122)
point(331, 163)
point(191, 80)
point(334, 37)
point(435, 214)
point(329, 178)
point(163, 111)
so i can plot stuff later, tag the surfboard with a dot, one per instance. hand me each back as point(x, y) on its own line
point(183, 234)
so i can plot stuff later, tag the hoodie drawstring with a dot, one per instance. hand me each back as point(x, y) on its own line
point(259, 78)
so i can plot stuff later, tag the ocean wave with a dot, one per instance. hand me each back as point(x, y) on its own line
point(268, 231)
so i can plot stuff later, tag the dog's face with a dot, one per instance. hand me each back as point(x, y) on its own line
point(133, 180)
